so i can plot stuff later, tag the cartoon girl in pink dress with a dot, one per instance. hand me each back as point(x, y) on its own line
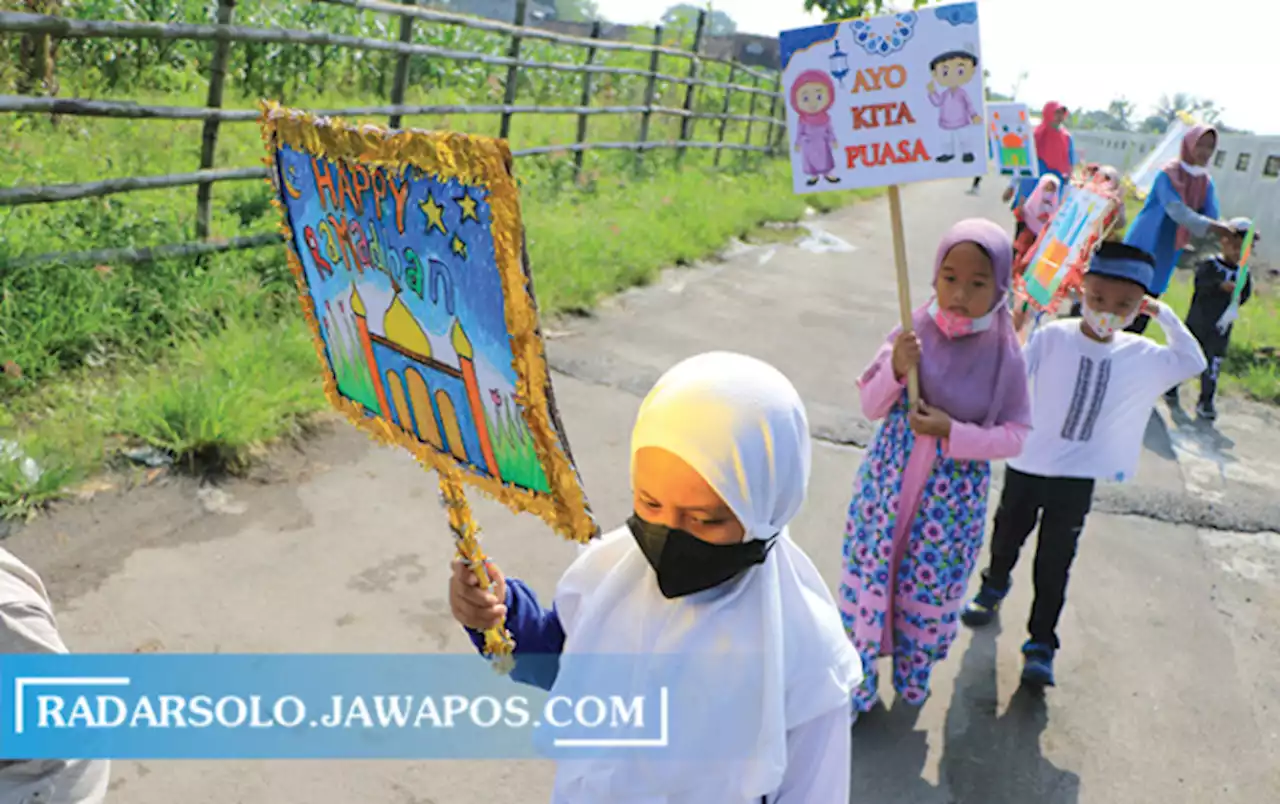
point(812, 95)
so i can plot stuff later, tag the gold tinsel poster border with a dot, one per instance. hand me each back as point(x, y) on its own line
point(477, 161)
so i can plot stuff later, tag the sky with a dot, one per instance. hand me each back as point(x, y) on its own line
point(1095, 50)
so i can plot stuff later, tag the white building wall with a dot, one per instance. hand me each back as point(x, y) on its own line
point(1240, 173)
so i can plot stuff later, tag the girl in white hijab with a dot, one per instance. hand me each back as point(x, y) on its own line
point(720, 461)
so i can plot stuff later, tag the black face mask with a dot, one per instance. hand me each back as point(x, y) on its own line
point(686, 564)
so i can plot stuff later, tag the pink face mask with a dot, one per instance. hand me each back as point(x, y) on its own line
point(955, 325)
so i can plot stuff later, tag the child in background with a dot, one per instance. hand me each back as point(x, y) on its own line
point(1093, 388)
point(1015, 195)
point(1034, 215)
point(919, 509)
point(1216, 279)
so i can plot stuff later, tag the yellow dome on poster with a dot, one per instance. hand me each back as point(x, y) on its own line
point(403, 329)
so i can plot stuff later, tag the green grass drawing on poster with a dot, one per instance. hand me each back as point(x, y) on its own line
point(351, 370)
point(515, 452)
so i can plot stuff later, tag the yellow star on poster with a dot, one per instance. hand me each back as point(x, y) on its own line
point(434, 213)
point(468, 206)
point(459, 247)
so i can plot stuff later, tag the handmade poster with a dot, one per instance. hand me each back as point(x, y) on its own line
point(1011, 141)
point(1169, 148)
point(408, 250)
point(885, 100)
point(1232, 312)
point(1064, 247)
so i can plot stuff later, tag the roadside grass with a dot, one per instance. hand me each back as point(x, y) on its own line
point(209, 361)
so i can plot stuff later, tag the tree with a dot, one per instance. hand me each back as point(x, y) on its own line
point(1122, 110)
point(577, 10)
point(1155, 124)
point(848, 9)
point(1172, 106)
point(684, 19)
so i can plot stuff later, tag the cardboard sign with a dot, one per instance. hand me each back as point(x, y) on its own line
point(885, 100)
point(1065, 244)
point(408, 250)
point(1011, 139)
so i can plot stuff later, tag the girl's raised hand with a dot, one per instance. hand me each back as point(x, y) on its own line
point(472, 606)
point(906, 354)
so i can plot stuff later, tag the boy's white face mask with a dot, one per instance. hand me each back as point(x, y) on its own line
point(1104, 325)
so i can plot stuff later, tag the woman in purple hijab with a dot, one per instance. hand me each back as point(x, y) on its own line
point(919, 508)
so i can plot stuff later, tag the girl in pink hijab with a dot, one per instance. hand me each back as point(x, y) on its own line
point(812, 95)
point(1038, 210)
point(919, 506)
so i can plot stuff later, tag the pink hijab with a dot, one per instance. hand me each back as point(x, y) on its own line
point(813, 77)
point(1192, 189)
point(1043, 203)
point(1053, 145)
point(979, 378)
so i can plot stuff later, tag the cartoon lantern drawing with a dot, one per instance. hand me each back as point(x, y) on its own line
point(839, 64)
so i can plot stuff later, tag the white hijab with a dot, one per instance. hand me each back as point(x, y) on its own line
point(741, 425)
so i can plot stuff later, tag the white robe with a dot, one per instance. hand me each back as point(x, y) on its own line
point(740, 424)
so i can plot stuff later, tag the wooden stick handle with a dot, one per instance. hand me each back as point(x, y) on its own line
point(904, 282)
point(498, 644)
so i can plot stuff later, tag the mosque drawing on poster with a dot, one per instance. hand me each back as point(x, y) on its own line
point(402, 271)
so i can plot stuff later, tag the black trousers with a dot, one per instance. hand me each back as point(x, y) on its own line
point(1060, 504)
point(1214, 344)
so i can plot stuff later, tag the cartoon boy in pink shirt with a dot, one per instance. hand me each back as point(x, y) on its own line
point(956, 112)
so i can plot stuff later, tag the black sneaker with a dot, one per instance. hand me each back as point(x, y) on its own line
point(945, 158)
point(984, 606)
point(1205, 411)
point(1171, 397)
point(967, 158)
point(812, 181)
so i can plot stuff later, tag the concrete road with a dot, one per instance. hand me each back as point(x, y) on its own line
point(1170, 673)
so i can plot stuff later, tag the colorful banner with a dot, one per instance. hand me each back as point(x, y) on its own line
point(885, 100)
point(408, 249)
point(1232, 312)
point(1065, 245)
point(1011, 141)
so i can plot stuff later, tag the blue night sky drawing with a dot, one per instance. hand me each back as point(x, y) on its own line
point(477, 287)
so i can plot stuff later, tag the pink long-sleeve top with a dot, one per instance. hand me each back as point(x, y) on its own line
point(879, 390)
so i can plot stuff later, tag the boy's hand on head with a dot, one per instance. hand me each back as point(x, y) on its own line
point(1150, 307)
point(928, 420)
point(472, 606)
point(1222, 229)
point(906, 354)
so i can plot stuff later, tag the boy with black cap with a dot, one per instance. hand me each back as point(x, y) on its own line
point(1093, 387)
point(1216, 279)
